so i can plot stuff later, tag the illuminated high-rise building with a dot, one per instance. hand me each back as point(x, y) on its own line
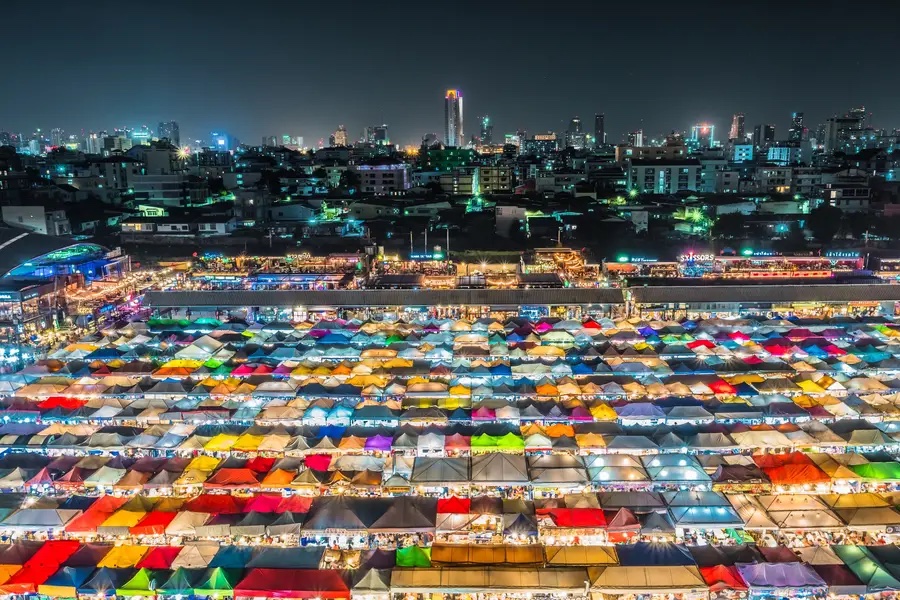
point(575, 133)
point(599, 129)
point(795, 133)
point(168, 130)
point(57, 137)
point(487, 130)
point(340, 136)
point(763, 136)
point(453, 118)
point(636, 138)
point(737, 127)
point(703, 135)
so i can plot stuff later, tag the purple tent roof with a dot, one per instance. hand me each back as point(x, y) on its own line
point(640, 410)
point(778, 575)
point(378, 442)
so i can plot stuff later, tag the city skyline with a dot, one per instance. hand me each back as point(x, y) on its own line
point(310, 93)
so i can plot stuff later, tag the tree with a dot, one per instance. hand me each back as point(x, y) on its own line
point(516, 232)
point(824, 222)
point(320, 173)
point(729, 226)
point(349, 179)
point(857, 224)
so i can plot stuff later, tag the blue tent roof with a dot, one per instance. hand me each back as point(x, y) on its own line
point(650, 554)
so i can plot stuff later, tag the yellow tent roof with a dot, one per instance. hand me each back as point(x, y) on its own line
point(219, 443)
point(124, 518)
point(590, 440)
point(123, 557)
point(248, 443)
point(810, 387)
point(603, 412)
point(204, 463)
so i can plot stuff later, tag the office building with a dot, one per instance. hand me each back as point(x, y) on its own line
point(703, 136)
point(487, 130)
point(168, 130)
point(57, 137)
point(599, 129)
point(141, 136)
point(742, 153)
point(223, 141)
point(859, 114)
point(383, 175)
point(269, 141)
point(453, 118)
point(575, 134)
point(783, 154)
point(542, 144)
point(737, 127)
point(340, 137)
point(795, 133)
point(636, 138)
point(93, 144)
point(763, 136)
point(650, 176)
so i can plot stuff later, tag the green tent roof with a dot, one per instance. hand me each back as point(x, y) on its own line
point(143, 583)
point(217, 581)
point(866, 568)
point(181, 582)
point(414, 556)
point(511, 440)
point(878, 470)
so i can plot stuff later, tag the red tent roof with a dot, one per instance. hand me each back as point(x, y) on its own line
point(764, 461)
point(44, 563)
point(699, 343)
point(720, 578)
point(153, 523)
point(293, 583)
point(98, 512)
point(160, 557)
point(318, 462)
point(454, 505)
point(297, 504)
point(215, 504)
point(61, 402)
point(260, 464)
point(578, 517)
point(263, 503)
point(722, 387)
point(796, 475)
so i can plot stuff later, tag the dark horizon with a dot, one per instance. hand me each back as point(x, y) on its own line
point(272, 69)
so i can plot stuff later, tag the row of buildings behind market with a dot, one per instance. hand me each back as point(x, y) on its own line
point(353, 191)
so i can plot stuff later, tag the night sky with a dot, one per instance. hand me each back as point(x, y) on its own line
point(300, 67)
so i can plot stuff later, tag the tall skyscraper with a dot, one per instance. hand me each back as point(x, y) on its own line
point(636, 138)
point(453, 118)
point(737, 127)
point(377, 134)
point(340, 136)
point(169, 130)
point(57, 137)
point(763, 136)
point(599, 129)
point(487, 130)
point(860, 114)
point(795, 133)
point(703, 135)
point(575, 133)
